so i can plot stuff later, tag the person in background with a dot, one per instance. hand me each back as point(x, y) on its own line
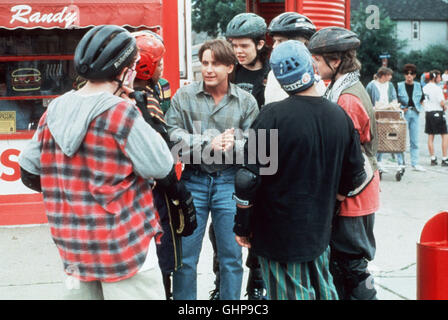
point(444, 84)
point(410, 96)
point(352, 241)
point(203, 121)
point(285, 216)
point(435, 117)
point(86, 158)
point(424, 79)
point(445, 76)
point(382, 92)
point(288, 26)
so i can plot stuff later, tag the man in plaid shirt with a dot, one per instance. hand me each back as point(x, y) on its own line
point(94, 158)
point(207, 119)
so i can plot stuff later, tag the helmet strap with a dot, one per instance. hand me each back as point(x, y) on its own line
point(120, 81)
point(120, 85)
point(335, 72)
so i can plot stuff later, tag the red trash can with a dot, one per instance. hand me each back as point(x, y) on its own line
point(432, 259)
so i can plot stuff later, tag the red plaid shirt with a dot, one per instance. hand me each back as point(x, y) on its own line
point(100, 213)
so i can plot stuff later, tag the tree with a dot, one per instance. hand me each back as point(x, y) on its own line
point(212, 16)
point(376, 39)
point(433, 57)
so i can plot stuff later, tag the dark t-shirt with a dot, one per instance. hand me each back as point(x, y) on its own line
point(252, 81)
point(318, 153)
point(410, 91)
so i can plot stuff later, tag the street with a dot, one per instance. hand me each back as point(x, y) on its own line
point(30, 267)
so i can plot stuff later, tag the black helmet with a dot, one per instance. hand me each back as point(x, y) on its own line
point(103, 52)
point(292, 24)
point(246, 25)
point(333, 39)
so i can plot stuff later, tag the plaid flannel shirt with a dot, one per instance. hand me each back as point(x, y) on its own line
point(101, 214)
point(194, 120)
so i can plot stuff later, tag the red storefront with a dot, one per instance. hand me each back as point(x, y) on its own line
point(37, 41)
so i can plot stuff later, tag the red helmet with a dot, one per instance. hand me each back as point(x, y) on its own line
point(151, 51)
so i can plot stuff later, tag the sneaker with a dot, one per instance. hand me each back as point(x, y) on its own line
point(256, 294)
point(214, 294)
point(444, 163)
point(418, 168)
point(434, 162)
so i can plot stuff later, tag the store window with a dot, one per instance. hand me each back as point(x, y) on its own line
point(36, 66)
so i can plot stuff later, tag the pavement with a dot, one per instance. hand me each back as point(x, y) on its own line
point(30, 267)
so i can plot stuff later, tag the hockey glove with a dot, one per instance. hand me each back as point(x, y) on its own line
point(181, 204)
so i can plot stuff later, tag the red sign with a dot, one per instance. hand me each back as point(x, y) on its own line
point(6, 161)
point(79, 13)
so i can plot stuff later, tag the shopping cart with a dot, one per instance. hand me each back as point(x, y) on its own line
point(391, 129)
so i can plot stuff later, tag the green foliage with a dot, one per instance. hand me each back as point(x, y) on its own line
point(212, 16)
point(433, 57)
point(375, 42)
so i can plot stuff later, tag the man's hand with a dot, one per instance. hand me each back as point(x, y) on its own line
point(225, 141)
point(243, 241)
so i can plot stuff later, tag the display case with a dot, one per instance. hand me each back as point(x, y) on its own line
point(35, 67)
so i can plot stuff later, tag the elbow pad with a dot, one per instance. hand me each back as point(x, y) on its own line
point(30, 180)
point(246, 185)
point(359, 178)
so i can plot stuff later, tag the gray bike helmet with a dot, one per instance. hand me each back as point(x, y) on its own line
point(246, 25)
point(292, 24)
point(103, 52)
point(333, 39)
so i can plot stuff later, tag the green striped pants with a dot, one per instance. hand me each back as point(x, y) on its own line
point(299, 281)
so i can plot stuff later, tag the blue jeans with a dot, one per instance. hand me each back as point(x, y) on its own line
point(412, 117)
point(211, 193)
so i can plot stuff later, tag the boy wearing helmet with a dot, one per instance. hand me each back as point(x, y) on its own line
point(149, 69)
point(86, 159)
point(288, 26)
point(149, 72)
point(353, 241)
point(285, 218)
point(247, 34)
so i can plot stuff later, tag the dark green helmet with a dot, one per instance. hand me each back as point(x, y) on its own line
point(333, 39)
point(246, 25)
point(292, 24)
